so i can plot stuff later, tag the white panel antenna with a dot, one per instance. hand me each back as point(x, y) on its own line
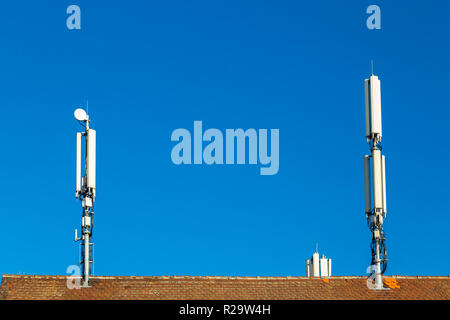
point(373, 107)
point(367, 184)
point(78, 165)
point(90, 159)
point(383, 166)
point(315, 267)
point(325, 267)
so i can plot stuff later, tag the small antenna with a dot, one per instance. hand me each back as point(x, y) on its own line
point(371, 65)
point(317, 247)
point(87, 104)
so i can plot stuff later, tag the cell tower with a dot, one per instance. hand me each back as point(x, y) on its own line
point(85, 191)
point(375, 179)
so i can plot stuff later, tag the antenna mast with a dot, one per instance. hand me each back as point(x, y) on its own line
point(85, 191)
point(375, 179)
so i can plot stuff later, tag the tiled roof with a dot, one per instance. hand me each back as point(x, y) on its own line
point(218, 288)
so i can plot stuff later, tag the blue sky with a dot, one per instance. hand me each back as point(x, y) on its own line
point(149, 68)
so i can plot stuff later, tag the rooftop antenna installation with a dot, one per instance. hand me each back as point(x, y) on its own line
point(375, 179)
point(85, 191)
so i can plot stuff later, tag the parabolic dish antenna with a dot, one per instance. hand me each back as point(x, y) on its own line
point(80, 115)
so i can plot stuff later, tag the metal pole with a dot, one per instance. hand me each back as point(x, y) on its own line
point(87, 217)
point(378, 277)
point(86, 258)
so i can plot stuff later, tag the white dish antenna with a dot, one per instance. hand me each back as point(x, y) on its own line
point(80, 114)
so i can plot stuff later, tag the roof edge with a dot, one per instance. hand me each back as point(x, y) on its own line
point(219, 277)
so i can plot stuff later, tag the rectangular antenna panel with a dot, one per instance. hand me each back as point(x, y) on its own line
point(367, 104)
point(329, 267)
point(373, 106)
point(377, 180)
point(90, 158)
point(383, 166)
point(367, 184)
point(315, 266)
point(324, 267)
point(78, 164)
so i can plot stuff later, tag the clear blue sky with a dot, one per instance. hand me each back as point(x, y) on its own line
point(149, 67)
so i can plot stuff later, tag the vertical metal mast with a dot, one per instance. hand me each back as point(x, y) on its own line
point(85, 191)
point(375, 178)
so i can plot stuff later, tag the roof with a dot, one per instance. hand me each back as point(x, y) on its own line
point(217, 288)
